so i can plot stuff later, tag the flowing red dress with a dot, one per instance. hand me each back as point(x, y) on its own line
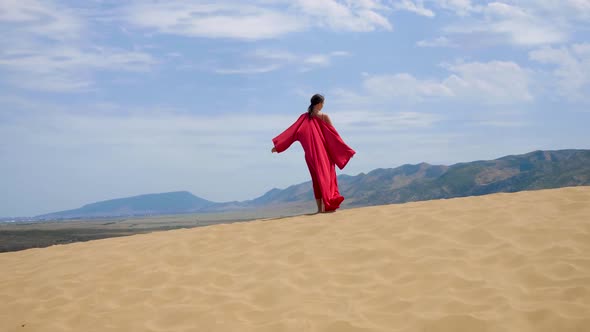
point(323, 148)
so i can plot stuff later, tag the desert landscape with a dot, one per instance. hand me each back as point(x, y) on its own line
point(501, 262)
point(162, 163)
point(39, 234)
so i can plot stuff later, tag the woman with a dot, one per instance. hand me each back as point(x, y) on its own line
point(323, 149)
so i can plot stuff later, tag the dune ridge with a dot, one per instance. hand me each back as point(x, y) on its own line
point(502, 262)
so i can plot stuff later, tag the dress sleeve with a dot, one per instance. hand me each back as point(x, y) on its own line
point(339, 152)
point(284, 140)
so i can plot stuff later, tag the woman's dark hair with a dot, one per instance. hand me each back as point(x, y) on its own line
point(315, 99)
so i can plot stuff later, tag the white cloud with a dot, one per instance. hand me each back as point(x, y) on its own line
point(404, 86)
point(494, 82)
point(274, 55)
point(421, 7)
point(373, 121)
point(568, 9)
point(257, 20)
point(213, 20)
point(317, 59)
point(526, 23)
point(267, 60)
point(438, 42)
point(67, 58)
point(503, 124)
point(561, 9)
point(44, 48)
point(340, 53)
point(248, 70)
point(40, 18)
point(415, 6)
point(359, 16)
point(523, 27)
point(506, 23)
point(572, 68)
point(67, 68)
point(460, 7)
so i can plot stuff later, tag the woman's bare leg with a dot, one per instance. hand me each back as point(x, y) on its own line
point(321, 207)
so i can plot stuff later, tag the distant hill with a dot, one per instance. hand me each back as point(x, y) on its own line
point(164, 203)
point(531, 171)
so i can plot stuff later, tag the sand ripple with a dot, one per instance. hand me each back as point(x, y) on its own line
point(504, 262)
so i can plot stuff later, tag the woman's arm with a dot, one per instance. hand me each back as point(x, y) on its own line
point(287, 137)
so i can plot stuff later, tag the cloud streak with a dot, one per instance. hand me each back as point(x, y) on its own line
point(524, 23)
point(571, 69)
point(413, 6)
point(494, 82)
point(255, 21)
point(44, 48)
point(267, 60)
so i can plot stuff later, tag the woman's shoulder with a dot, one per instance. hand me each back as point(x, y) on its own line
point(321, 115)
point(324, 117)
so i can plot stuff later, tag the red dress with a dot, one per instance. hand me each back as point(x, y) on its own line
point(323, 149)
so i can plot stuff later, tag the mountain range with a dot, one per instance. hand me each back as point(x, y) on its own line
point(531, 171)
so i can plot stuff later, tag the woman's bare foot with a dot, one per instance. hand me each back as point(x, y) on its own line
point(321, 207)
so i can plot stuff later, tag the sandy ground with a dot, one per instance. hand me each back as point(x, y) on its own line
point(503, 262)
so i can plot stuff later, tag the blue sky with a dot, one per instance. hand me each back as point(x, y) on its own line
point(108, 99)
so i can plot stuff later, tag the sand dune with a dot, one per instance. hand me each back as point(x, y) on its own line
point(504, 262)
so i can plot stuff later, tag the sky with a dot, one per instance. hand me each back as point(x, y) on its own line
point(108, 99)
